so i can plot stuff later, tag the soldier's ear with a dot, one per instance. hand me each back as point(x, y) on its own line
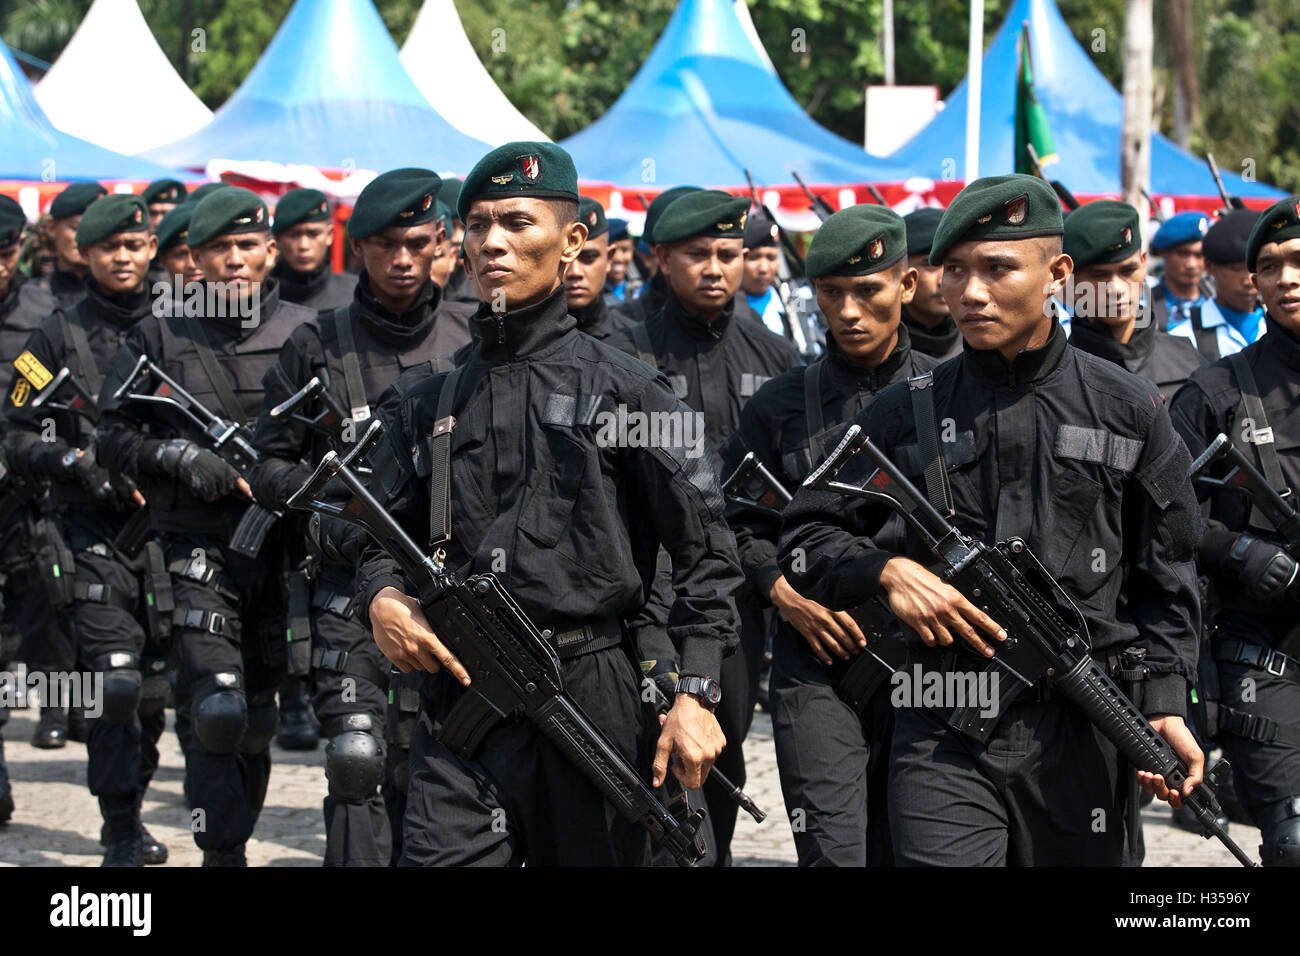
point(907, 282)
point(153, 245)
point(575, 237)
point(1060, 268)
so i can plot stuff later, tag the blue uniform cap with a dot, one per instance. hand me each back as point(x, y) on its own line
point(1184, 227)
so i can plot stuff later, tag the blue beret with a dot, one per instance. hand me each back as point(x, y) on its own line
point(1184, 227)
point(617, 229)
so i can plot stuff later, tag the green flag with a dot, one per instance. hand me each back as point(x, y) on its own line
point(1031, 120)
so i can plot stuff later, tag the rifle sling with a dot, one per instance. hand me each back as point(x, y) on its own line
point(440, 464)
point(937, 489)
point(357, 404)
point(216, 375)
point(812, 403)
point(1262, 437)
point(75, 332)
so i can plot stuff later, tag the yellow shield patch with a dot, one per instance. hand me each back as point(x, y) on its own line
point(21, 392)
point(30, 367)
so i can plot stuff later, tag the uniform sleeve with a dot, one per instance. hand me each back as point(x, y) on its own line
point(1162, 526)
point(121, 442)
point(284, 442)
point(1197, 422)
point(29, 446)
point(756, 531)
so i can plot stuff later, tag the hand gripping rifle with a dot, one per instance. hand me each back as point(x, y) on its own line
point(1244, 477)
point(513, 668)
point(1046, 633)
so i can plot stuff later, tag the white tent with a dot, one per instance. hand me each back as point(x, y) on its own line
point(440, 59)
point(114, 86)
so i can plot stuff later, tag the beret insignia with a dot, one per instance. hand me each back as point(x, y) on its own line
point(983, 219)
point(726, 226)
point(1128, 235)
point(502, 180)
point(1203, 226)
point(853, 260)
point(876, 249)
point(136, 216)
point(530, 167)
point(743, 217)
point(257, 214)
point(428, 201)
point(591, 219)
point(774, 232)
point(1015, 210)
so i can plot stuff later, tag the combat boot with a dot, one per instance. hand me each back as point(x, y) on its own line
point(296, 729)
point(6, 791)
point(51, 730)
point(232, 857)
point(123, 844)
point(153, 852)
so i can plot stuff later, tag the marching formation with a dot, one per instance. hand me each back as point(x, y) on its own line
point(524, 517)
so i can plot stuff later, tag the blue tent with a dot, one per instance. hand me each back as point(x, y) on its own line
point(329, 91)
point(32, 148)
point(705, 106)
point(1085, 113)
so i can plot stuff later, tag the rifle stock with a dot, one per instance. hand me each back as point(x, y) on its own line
point(1244, 477)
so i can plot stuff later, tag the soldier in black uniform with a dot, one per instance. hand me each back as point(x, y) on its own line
point(459, 287)
point(584, 277)
point(1078, 458)
point(68, 281)
point(1254, 599)
point(226, 624)
point(395, 322)
point(446, 256)
point(715, 360)
point(162, 196)
point(832, 759)
point(108, 585)
point(570, 522)
point(304, 234)
point(927, 318)
point(1104, 297)
point(173, 263)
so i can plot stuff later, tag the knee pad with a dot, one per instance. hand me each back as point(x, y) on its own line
point(263, 722)
point(123, 683)
point(220, 713)
point(354, 760)
point(1281, 846)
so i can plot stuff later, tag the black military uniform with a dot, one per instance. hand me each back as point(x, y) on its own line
point(323, 288)
point(1105, 232)
point(66, 286)
point(562, 519)
point(833, 759)
point(228, 624)
point(107, 588)
point(364, 347)
point(715, 368)
point(1252, 397)
point(1078, 458)
point(942, 340)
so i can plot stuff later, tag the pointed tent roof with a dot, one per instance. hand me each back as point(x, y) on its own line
point(704, 107)
point(114, 40)
point(443, 64)
point(329, 91)
point(1084, 110)
point(34, 149)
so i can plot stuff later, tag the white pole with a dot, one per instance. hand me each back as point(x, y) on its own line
point(887, 39)
point(974, 81)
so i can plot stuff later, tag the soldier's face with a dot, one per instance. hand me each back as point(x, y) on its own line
point(516, 250)
point(704, 273)
point(306, 246)
point(927, 305)
point(584, 277)
point(397, 260)
point(760, 269)
point(1277, 277)
point(179, 261)
point(999, 291)
point(863, 312)
point(8, 266)
point(1184, 265)
point(1232, 285)
point(620, 254)
point(1109, 293)
point(120, 263)
point(240, 260)
point(156, 211)
point(67, 253)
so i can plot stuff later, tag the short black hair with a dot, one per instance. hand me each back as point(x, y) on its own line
point(564, 210)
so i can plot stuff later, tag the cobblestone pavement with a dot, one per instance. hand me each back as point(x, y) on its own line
point(57, 822)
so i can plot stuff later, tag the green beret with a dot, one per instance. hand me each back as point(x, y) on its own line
point(298, 206)
point(173, 228)
point(164, 191)
point(74, 200)
point(1102, 232)
point(448, 193)
point(1225, 242)
point(227, 212)
point(1003, 208)
point(592, 215)
point(399, 197)
point(544, 170)
point(445, 215)
point(1278, 223)
point(109, 215)
point(659, 204)
point(921, 225)
point(12, 221)
point(706, 212)
point(857, 241)
point(207, 189)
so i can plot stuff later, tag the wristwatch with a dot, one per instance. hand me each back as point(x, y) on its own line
point(706, 689)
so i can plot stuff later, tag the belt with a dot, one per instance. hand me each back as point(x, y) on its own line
point(1256, 727)
point(332, 601)
point(585, 638)
point(1257, 655)
point(101, 594)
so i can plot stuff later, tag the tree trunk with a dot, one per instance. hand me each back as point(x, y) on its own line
point(1135, 137)
point(1187, 84)
point(187, 24)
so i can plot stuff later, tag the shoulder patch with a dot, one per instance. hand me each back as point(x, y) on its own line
point(30, 368)
point(21, 392)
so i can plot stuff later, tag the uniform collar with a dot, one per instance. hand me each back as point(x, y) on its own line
point(592, 316)
point(63, 282)
point(1282, 342)
point(1096, 339)
point(693, 325)
point(389, 327)
point(298, 286)
point(1031, 365)
point(234, 325)
point(932, 341)
point(123, 311)
point(514, 335)
point(871, 379)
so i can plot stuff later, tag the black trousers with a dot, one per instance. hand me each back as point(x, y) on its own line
point(1044, 791)
point(226, 790)
point(356, 833)
point(519, 798)
point(833, 761)
point(46, 641)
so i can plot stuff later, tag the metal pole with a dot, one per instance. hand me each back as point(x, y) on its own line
point(974, 83)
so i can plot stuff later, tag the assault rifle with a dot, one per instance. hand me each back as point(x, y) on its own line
point(1047, 636)
point(819, 206)
point(1230, 201)
point(514, 670)
point(1244, 477)
point(787, 243)
point(1058, 187)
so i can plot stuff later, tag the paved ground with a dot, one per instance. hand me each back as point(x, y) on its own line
point(57, 822)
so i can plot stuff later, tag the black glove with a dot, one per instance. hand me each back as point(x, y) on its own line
point(95, 480)
point(1264, 570)
point(204, 473)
